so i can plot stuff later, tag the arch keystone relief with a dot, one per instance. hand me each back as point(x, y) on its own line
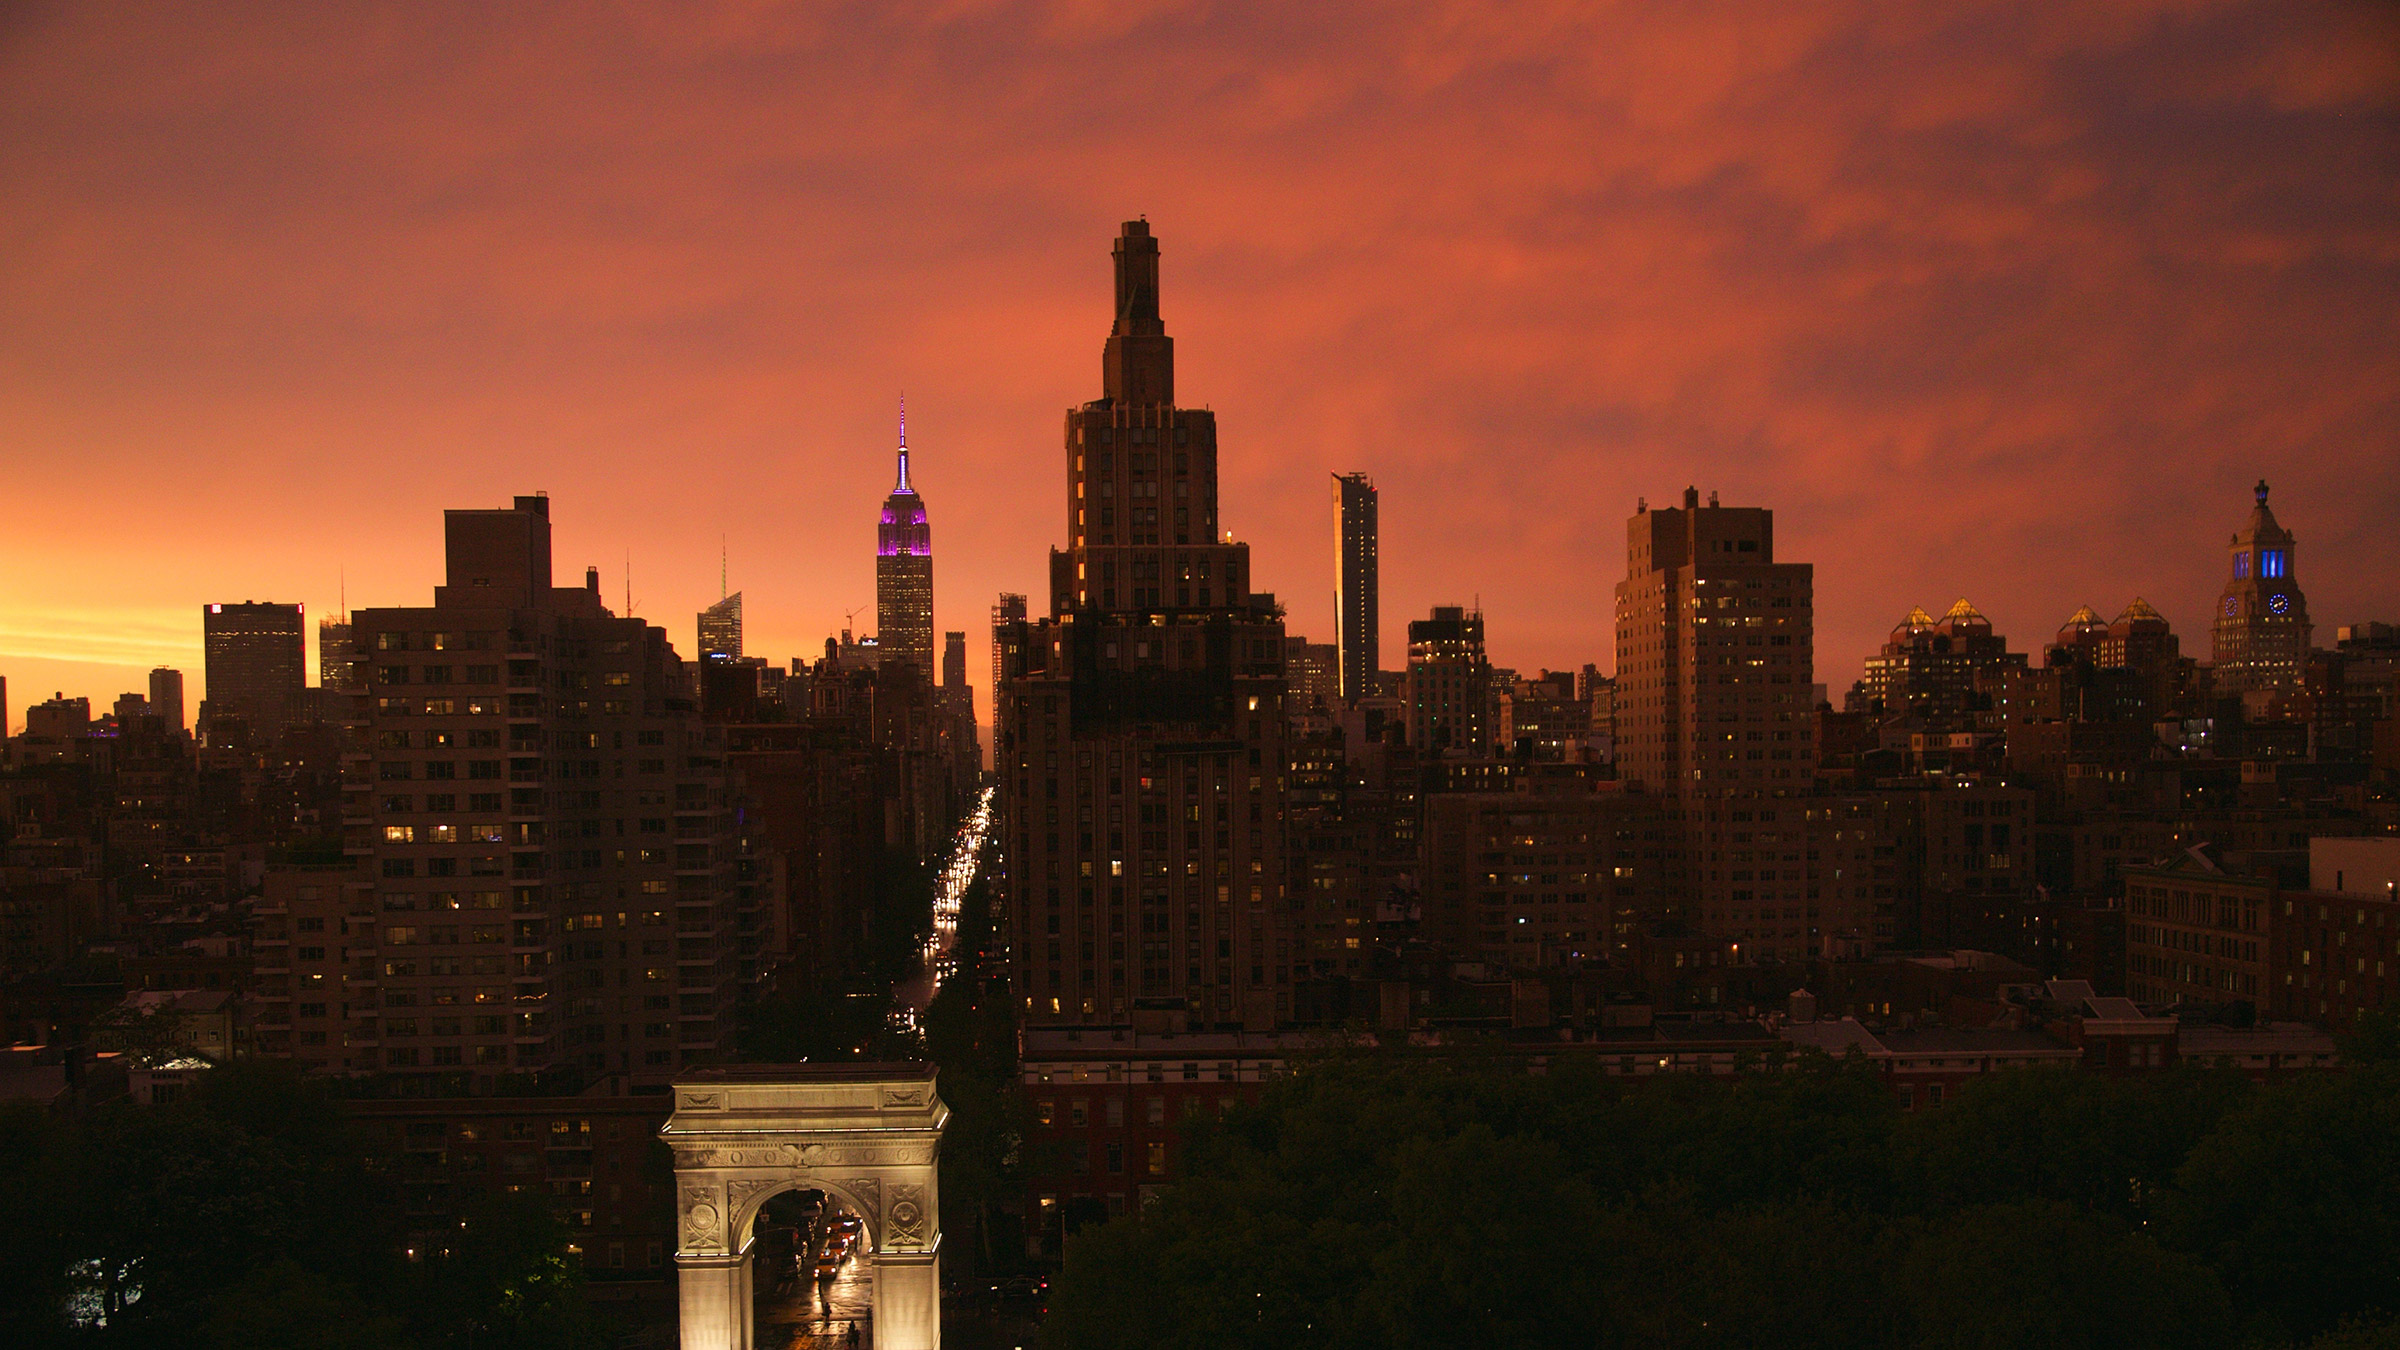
point(868, 1135)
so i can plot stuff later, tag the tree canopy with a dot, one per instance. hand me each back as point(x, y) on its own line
point(1416, 1201)
point(251, 1215)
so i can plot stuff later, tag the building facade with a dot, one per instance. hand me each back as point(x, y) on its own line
point(166, 698)
point(1448, 687)
point(2261, 626)
point(904, 574)
point(336, 668)
point(545, 851)
point(1931, 667)
point(256, 655)
point(720, 629)
point(1356, 579)
point(1142, 742)
point(1556, 872)
point(1714, 707)
point(2197, 933)
point(1548, 717)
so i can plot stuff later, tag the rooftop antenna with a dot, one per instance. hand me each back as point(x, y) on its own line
point(629, 583)
point(724, 569)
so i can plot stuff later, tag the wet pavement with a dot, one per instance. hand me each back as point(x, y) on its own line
point(819, 1317)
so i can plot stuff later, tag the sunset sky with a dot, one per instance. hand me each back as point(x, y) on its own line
point(2009, 301)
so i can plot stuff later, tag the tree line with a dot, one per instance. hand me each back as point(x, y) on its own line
point(253, 1214)
point(1461, 1199)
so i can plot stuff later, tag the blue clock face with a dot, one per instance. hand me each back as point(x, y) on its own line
point(2279, 603)
point(2232, 607)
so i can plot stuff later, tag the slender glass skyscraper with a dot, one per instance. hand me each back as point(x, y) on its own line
point(1354, 601)
point(721, 630)
point(904, 573)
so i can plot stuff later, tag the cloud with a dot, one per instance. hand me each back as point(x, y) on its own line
point(1989, 299)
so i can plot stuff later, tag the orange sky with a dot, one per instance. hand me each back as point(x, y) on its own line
point(2009, 301)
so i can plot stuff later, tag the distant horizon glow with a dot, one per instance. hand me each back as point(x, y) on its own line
point(2003, 302)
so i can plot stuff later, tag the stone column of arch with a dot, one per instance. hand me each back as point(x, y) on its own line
point(867, 1135)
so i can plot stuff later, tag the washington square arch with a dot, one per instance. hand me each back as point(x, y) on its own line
point(869, 1136)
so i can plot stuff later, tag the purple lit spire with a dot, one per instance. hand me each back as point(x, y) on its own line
point(903, 532)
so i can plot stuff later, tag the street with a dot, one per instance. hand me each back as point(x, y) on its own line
point(813, 1317)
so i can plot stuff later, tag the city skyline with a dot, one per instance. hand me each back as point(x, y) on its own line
point(1466, 713)
point(1842, 341)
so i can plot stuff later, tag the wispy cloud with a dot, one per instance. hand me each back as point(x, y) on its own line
point(2005, 300)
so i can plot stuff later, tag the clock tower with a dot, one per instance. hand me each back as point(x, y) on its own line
point(2262, 619)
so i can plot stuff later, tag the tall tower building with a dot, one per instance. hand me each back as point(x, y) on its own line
point(1715, 651)
point(545, 849)
point(904, 574)
point(256, 665)
point(2262, 623)
point(1142, 736)
point(721, 630)
point(1356, 631)
point(166, 697)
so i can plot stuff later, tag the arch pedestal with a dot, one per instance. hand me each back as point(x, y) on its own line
point(867, 1135)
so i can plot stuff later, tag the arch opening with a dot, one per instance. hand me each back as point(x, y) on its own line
point(832, 1191)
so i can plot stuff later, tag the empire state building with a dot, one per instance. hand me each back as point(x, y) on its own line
point(904, 573)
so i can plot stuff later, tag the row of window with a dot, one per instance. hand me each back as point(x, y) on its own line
point(435, 642)
point(436, 803)
point(442, 675)
point(447, 834)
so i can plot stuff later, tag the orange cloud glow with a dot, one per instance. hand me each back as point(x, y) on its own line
point(1985, 299)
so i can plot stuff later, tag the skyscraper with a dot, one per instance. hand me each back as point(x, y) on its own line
point(1356, 631)
point(904, 573)
point(2262, 626)
point(954, 660)
point(1714, 662)
point(166, 697)
point(335, 670)
point(1007, 612)
point(1448, 685)
point(541, 827)
point(256, 665)
point(1143, 743)
point(721, 630)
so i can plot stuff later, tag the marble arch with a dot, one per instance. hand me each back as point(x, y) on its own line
point(868, 1134)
